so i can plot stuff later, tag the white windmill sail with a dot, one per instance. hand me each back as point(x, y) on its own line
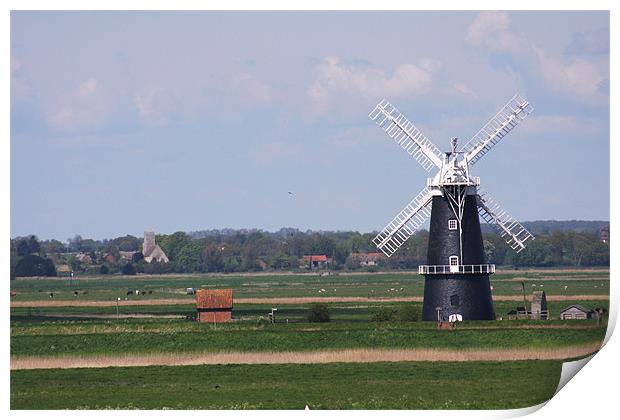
point(398, 127)
point(512, 231)
point(515, 111)
point(404, 225)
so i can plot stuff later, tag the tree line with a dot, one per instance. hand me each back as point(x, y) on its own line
point(256, 250)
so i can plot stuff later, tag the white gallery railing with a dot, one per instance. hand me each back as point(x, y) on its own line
point(457, 269)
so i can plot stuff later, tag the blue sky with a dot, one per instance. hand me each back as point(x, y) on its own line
point(129, 121)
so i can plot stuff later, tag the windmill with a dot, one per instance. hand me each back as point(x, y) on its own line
point(457, 273)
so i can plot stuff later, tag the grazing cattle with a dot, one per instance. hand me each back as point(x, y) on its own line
point(75, 293)
point(130, 292)
point(143, 292)
point(150, 292)
point(52, 294)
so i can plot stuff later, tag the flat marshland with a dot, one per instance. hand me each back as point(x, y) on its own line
point(85, 349)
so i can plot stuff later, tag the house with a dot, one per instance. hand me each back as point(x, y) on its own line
point(214, 305)
point(83, 258)
point(577, 312)
point(367, 258)
point(152, 251)
point(126, 256)
point(313, 261)
point(539, 305)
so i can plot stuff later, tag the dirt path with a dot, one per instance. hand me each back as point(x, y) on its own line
point(304, 357)
point(268, 300)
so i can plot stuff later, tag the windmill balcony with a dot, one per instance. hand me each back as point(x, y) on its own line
point(457, 269)
point(472, 181)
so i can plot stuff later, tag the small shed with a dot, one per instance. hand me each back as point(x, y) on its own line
point(214, 305)
point(577, 312)
point(539, 305)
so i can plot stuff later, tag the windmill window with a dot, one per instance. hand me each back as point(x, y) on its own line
point(452, 224)
point(454, 300)
point(454, 260)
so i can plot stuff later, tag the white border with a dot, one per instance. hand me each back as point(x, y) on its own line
point(591, 393)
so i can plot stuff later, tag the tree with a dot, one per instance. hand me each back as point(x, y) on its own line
point(128, 269)
point(189, 258)
point(27, 245)
point(127, 243)
point(280, 260)
point(34, 265)
point(319, 312)
point(52, 246)
point(172, 244)
point(409, 312)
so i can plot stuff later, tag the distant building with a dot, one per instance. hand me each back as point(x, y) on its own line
point(126, 255)
point(314, 261)
point(152, 251)
point(214, 305)
point(367, 258)
point(262, 263)
point(83, 258)
point(539, 305)
point(604, 234)
point(577, 312)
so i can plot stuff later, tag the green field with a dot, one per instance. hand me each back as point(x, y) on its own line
point(465, 385)
point(339, 312)
point(140, 336)
point(40, 331)
point(395, 284)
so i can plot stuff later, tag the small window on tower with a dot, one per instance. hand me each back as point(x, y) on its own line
point(452, 224)
point(454, 300)
point(454, 260)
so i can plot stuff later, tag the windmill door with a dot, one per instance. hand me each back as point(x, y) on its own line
point(454, 264)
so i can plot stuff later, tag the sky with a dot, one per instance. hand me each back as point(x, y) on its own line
point(123, 122)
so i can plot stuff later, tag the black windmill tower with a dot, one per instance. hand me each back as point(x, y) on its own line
point(457, 274)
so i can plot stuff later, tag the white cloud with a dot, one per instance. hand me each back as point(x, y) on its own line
point(580, 77)
point(491, 29)
point(156, 106)
point(250, 90)
point(572, 76)
point(84, 108)
point(338, 79)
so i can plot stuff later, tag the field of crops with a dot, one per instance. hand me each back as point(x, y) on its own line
point(90, 325)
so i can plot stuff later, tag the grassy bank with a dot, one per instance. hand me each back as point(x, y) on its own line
point(131, 336)
point(404, 385)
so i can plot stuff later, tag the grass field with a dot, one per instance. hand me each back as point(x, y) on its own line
point(152, 327)
point(584, 282)
point(449, 385)
point(139, 336)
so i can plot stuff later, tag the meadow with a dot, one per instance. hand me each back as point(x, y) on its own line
point(370, 285)
point(437, 385)
point(160, 322)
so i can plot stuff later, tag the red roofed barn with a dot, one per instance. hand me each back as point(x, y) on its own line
point(214, 305)
point(314, 261)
